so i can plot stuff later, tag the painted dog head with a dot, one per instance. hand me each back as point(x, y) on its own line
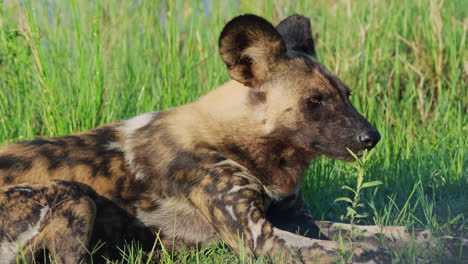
point(291, 93)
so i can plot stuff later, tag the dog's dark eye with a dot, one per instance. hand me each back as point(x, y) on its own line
point(315, 100)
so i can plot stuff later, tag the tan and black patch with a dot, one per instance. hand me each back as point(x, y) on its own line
point(55, 215)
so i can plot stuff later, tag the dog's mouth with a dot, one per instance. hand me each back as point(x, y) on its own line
point(347, 158)
point(344, 155)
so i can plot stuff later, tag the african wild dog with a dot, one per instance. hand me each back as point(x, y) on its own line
point(224, 168)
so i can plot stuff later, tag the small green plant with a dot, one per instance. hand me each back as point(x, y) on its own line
point(355, 203)
point(353, 213)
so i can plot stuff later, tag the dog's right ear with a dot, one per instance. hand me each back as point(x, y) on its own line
point(297, 34)
point(250, 46)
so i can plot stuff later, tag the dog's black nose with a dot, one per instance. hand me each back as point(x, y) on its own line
point(369, 139)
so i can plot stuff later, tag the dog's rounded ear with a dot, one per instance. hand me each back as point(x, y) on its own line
point(297, 34)
point(250, 46)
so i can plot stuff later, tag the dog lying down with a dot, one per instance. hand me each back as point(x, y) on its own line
point(225, 168)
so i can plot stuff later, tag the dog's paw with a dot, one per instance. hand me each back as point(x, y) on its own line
point(455, 247)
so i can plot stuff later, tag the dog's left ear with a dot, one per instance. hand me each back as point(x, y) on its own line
point(297, 34)
point(251, 46)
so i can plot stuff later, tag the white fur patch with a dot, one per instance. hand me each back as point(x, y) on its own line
point(274, 193)
point(237, 188)
point(114, 146)
point(255, 228)
point(19, 189)
point(177, 218)
point(133, 124)
point(230, 162)
point(8, 252)
point(128, 129)
point(230, 210)
point(10, 249)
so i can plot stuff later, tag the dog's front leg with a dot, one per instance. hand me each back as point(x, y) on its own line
point(393, 237)
point(389, 236)
point(235, 205)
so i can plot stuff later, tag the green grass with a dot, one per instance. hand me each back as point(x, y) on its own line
point(68, 66)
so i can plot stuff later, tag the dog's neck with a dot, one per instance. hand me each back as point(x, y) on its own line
point(242, 133)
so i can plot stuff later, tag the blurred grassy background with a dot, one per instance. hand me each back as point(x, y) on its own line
point(67, 66)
